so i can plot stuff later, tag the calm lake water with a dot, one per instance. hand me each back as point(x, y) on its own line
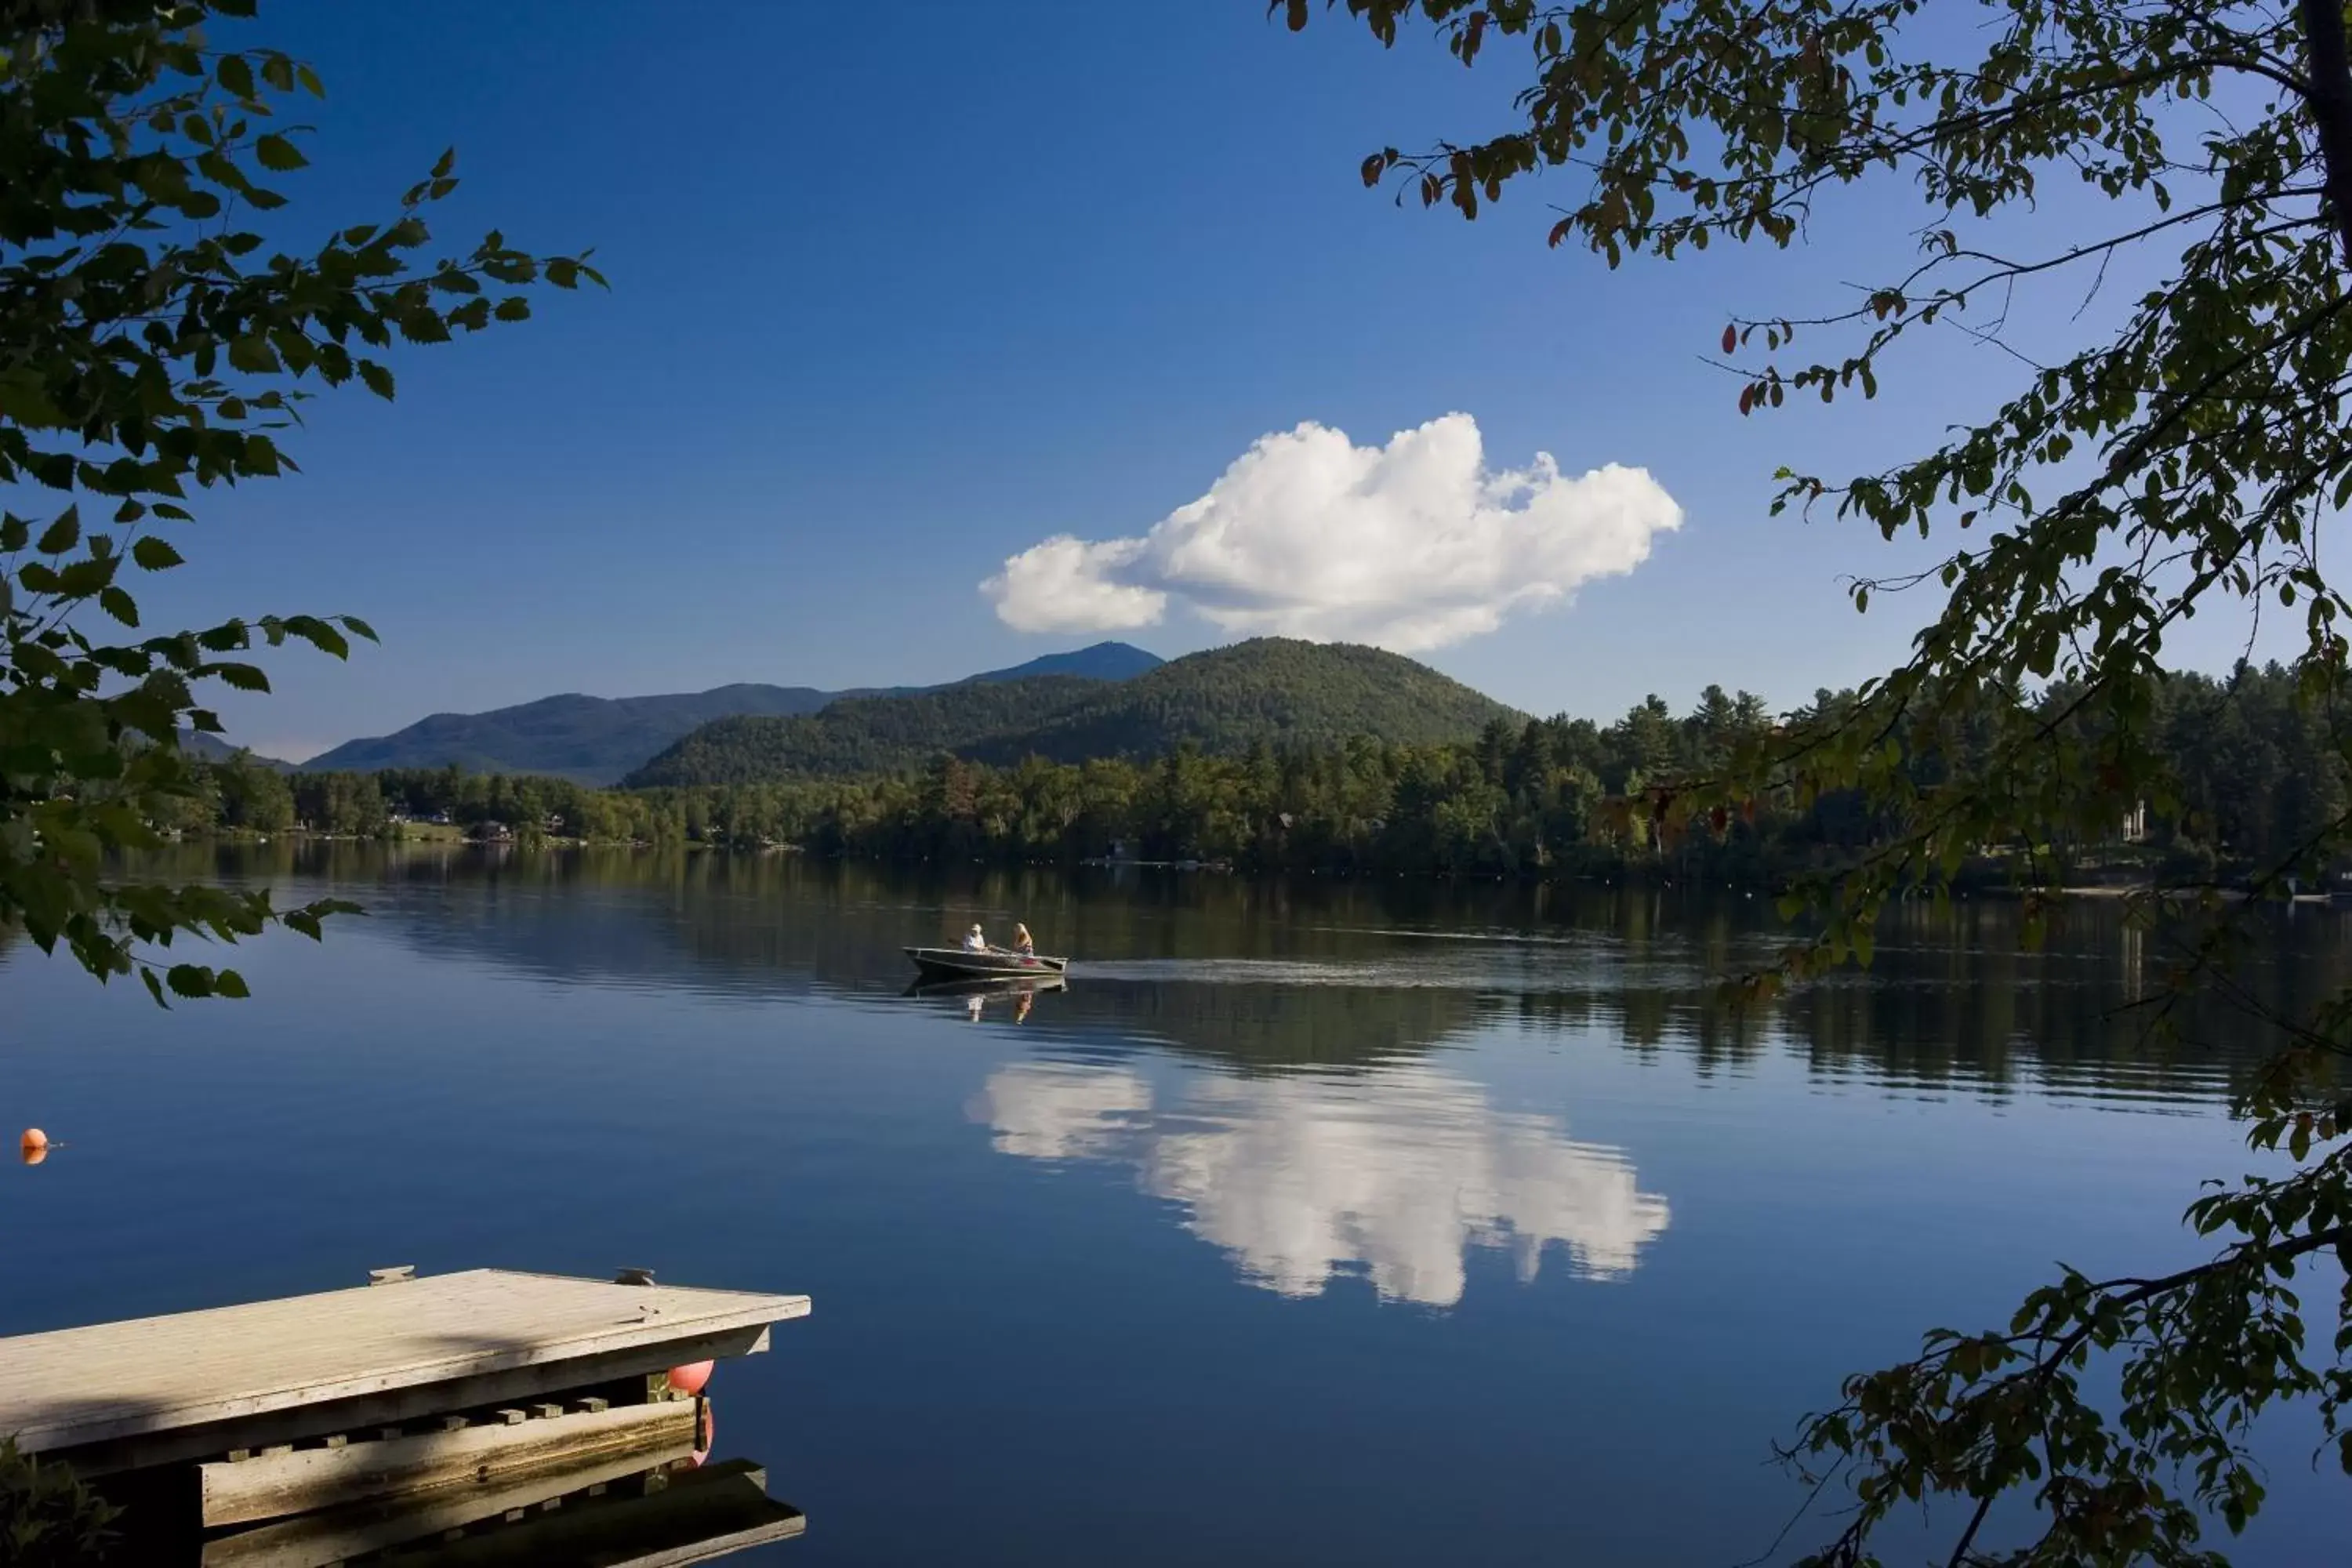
point(1340, 1223)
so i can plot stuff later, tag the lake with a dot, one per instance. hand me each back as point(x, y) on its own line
point(1347, 1222)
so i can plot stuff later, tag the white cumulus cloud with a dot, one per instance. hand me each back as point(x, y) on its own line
point(1409, 546)
point(1066, 585)
point(1041, 1112)
point(1397, 1171)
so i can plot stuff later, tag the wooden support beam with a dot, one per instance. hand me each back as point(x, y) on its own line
point(335, 1535)
point(301, 1480)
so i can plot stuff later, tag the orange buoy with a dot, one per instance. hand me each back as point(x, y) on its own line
point(689, 1378)
point(34, 1145)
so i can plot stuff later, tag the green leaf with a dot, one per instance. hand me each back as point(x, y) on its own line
point(153, 554)
point(118, 604)
point(241, 677)
point(236, 74)
point(319, 634)
point(253, 354)
point(63, 534)
point(84, 578)
point(277, 154)
point(377, 378)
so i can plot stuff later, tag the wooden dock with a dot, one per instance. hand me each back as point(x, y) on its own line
point(444, 1388)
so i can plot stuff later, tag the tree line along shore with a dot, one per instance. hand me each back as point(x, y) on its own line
point(1556, 797)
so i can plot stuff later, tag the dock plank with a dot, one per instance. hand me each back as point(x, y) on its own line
point(303, 1480)
point(110, 1381)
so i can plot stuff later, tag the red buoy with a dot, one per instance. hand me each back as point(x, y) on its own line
point(689, 1378)
point(34, 1147)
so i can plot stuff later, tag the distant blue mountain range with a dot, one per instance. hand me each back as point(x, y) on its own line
point(597, 739)
point(1104, 661)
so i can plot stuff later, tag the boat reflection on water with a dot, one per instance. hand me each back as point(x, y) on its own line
point(626, 1512)
point(983, 998)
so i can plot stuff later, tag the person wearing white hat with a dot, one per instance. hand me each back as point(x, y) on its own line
point(975, 940)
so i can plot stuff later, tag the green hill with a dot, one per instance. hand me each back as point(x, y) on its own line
point(1222, 700)
point(1271, 689)
point(860, 734)
point(213, 749)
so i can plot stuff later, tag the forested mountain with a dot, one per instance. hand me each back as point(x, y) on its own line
point(862, 734)
point(1275, 690)
point(589, 740)
point(1269, 691)
point(213, 749)
point(596, 740)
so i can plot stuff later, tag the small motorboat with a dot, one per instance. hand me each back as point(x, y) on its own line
point(988, 963)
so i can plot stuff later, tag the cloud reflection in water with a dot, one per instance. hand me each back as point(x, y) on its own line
point(1399, 1170)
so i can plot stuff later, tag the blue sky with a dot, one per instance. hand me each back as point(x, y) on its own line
point(897, 295)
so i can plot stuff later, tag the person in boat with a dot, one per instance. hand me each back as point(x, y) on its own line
point(975, 940)
point(1022, 943)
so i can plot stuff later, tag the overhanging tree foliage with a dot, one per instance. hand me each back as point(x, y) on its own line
point(153, 344)
point(2185, 462)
